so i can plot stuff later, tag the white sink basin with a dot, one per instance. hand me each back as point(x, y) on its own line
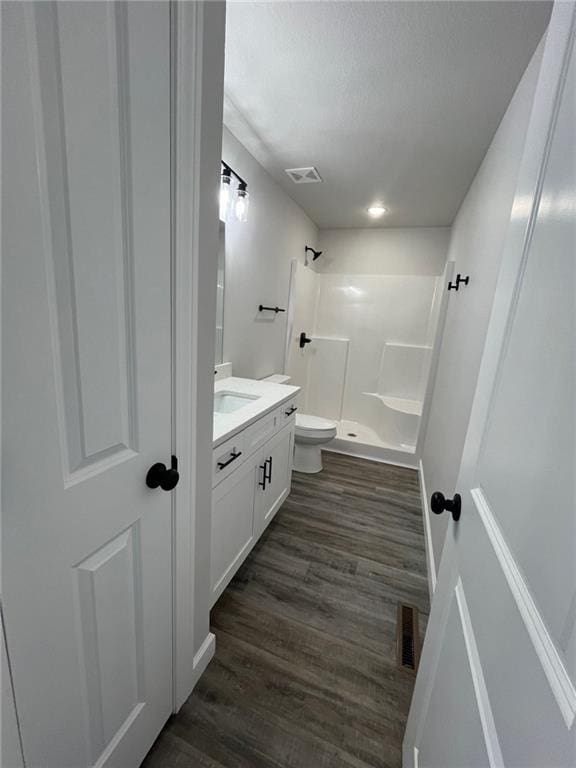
point(228, 402)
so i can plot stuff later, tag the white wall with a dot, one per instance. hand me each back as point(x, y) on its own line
point(303, 306)
point(409, 251)
point(258, 259)
point(476, 243)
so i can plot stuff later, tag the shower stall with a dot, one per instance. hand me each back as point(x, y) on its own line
point(368, 364)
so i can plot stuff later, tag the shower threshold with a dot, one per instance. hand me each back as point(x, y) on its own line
point(357, 439)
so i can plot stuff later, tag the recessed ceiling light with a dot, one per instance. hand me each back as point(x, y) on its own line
point(376, 210)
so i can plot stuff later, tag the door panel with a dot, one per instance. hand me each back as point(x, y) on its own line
point(110, 605)
point(452, 731)
point(524, 674)
point(526, 467)
point(90, 254)
point(86, 377)
point(512, 554)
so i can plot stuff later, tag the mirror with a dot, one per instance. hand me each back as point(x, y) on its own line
point(219, 350)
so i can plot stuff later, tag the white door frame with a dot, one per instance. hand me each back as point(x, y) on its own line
point(197, 102)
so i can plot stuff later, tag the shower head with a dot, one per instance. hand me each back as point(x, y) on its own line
point(316, 253)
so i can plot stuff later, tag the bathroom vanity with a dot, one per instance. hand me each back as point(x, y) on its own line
point(251, 468)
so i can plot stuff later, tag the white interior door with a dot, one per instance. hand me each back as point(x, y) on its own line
point(497, 680)
point(86, 575)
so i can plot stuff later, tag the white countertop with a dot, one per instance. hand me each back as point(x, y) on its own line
point(270, 396)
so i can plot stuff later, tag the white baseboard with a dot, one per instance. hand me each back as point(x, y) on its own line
point(204, 656)
point(430, 562)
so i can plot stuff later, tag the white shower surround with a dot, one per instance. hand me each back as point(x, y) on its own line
point(368, 364)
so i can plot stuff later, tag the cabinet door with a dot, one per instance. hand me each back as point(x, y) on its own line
point(232, 525)
point(274, 476)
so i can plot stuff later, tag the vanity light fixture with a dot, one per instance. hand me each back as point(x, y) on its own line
point(225, 192)
point(241, 201)
point(376, 210)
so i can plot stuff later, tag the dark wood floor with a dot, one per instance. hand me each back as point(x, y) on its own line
point(305, 671)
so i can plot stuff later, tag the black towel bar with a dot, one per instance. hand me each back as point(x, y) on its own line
point(262, 308)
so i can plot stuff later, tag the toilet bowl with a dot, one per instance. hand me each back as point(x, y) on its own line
point(311, 433)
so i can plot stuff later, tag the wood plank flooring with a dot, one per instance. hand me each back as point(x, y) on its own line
point(305, 671)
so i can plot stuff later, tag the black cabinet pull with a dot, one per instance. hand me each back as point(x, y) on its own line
point(267, 470)
point(262, 482)
point(291, 410)
point(269, 459)
point(233, 457)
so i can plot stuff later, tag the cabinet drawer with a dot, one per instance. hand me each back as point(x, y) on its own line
point(227, 457)
point(258, 433)
point(286, 413)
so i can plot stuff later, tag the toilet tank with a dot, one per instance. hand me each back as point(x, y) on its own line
point(278, 378)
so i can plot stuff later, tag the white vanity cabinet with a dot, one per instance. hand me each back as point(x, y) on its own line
point(252, 472)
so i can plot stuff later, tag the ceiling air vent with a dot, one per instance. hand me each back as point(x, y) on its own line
point(304, 175)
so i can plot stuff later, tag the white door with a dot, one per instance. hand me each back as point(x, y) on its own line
point(86, 576)
point(496, 684)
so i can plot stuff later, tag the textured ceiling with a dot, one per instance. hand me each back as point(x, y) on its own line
point(391, 101)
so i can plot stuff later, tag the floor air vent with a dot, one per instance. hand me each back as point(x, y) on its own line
point(407, 639)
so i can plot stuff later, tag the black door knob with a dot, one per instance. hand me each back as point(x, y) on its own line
point(160, 476)
point(304, 340)
point(439, 503)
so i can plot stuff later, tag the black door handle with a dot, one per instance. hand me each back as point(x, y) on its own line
point(304, 340)
point(291, 410)
point(439, 503)
point(159, 476)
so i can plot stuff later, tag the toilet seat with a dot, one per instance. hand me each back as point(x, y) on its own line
point(314, 426)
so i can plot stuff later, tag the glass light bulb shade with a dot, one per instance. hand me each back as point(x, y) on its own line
point(241, 205)
point(225, 197)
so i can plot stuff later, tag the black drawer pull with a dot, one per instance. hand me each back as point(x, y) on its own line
point(291, 410)
point(269, 469)
point(223, 464)
point(262, 482)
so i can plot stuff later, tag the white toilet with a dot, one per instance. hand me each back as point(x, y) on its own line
point(312, 432)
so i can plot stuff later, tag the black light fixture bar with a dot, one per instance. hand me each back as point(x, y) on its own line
point(233, 172)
